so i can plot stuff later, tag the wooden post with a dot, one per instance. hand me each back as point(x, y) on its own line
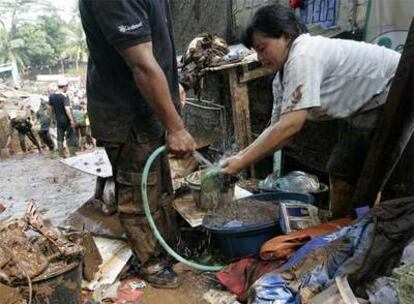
point(241, 112)
point(395, 126)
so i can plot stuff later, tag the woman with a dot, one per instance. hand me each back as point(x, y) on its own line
point(318, 79)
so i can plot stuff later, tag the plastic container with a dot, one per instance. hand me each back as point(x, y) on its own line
point(237, 242)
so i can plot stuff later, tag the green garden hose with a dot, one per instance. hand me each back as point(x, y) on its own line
point(151, 222)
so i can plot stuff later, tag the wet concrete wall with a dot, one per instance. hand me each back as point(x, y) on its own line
point(226, 18)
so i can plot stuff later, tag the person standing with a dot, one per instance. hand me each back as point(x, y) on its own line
point(79, 115)
point(44, 123)
point(64, 120)
point(133, 102)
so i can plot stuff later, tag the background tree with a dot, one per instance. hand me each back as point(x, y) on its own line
point(39, 39)
point(12, 13)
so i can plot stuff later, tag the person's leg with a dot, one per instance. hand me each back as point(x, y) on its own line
point(89, 139)
point(347, 160)
point(49, 141)
point(71, 140)
point(341, 191)
point(60, 139)
point(82, 133)
point(78, 136)
point(127, 162)
point(33, 139)
point(22, 141)
point(42, 137)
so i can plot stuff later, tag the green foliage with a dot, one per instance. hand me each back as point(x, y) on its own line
point(41, 40)
point(36, 44)
point(54, 27)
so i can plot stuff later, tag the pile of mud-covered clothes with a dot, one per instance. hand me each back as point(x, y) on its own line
point(32, 250)
point(204, 51)
point(375, 255)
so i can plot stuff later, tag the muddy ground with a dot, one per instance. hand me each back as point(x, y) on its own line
point(58, 191)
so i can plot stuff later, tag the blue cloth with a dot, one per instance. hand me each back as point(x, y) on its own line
point(323, 12)
point(272, 289)
point(317, 242)
point(343, 257)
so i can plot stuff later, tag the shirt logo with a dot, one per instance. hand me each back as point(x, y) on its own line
point(129, 28)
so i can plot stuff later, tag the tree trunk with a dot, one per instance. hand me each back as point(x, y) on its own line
point(15, 70)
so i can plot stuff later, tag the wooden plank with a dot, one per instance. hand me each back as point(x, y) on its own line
point(392, 134)
point(345, 290)
point(254, 74)
point(187, 208)
point(115, 254)
point(241, 112)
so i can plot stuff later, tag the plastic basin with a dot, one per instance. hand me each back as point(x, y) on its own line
point(237, 242)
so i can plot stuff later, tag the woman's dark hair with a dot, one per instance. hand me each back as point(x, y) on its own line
point(274, 21)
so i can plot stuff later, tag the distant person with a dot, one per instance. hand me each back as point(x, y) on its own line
point(24, 128)
point(44, 122)
point(79, 114)
point(90, 142)
point(65, 122)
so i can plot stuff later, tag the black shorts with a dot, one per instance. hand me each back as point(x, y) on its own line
point(348, 156)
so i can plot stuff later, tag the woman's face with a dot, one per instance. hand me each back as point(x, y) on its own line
point(271, 52)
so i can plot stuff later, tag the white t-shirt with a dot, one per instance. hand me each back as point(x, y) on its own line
point(332, 78)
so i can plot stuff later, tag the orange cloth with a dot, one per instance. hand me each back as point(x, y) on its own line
point(284, 246)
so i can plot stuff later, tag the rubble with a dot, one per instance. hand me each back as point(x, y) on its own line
point(10, 295)
point(31, 251)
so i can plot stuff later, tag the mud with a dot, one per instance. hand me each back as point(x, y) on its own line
point(191, 291)
point(249, 212)
point(57, 189)
point(10, 295)
point(91, 218)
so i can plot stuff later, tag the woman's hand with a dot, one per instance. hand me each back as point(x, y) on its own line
point(232, 165)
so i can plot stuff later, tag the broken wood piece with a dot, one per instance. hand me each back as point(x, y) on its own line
point(92, 259)
point(345, 290)
point(186, 207)
point(115, 255)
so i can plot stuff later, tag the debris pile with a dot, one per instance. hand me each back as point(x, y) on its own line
point(32, 250)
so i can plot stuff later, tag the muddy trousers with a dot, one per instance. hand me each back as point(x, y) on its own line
point(46, 139)
point(32, 138)
point(69, 132)
point(128, 160)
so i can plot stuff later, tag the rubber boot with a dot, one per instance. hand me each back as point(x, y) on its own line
point(61, 149)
